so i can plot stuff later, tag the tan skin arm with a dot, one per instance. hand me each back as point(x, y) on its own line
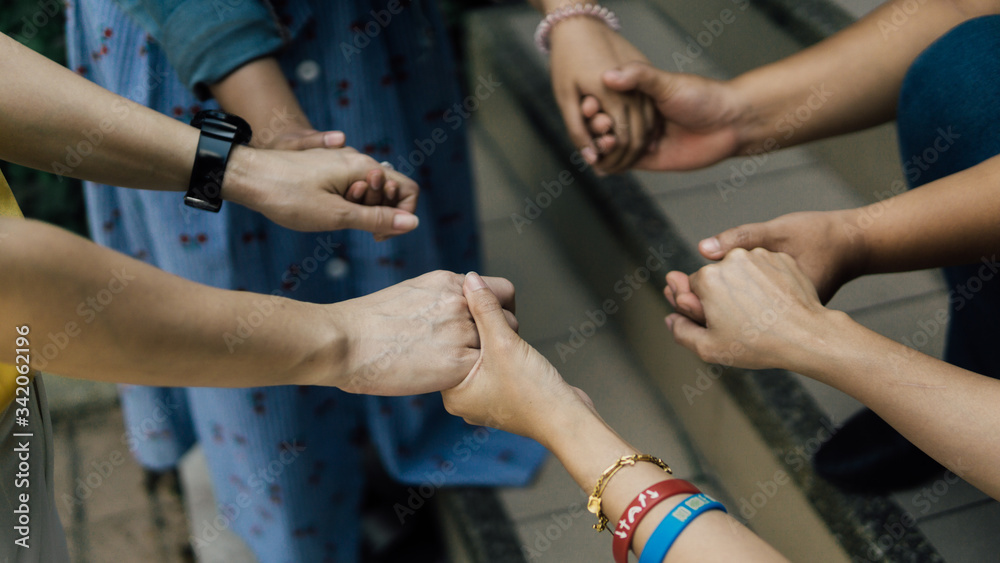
point(71, 126)
point(948, 412)
point(514, 388)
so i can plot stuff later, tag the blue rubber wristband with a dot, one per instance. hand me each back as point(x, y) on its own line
point(674, 523)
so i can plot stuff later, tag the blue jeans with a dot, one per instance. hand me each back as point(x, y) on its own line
point(949, 120)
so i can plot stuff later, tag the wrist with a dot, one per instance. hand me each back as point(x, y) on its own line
point(822, 347)
point(323, 343)
point(752, 123)
point(238, 185)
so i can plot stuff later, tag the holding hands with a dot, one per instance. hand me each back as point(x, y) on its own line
point(323, 190)
point(511, 387)
point(754, 309)
point(415, 337)
point(697, 119)
point(582, 49)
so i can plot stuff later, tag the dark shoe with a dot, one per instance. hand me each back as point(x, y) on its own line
point(868, 456)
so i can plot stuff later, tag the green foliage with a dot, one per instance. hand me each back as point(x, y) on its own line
point(39, 24)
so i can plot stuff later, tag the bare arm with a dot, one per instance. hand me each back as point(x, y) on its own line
point(904, 387)
point(848, 82)
point(72, 127)
point(514, 388)
point(853, 78)
point(947, 222)
point(97, 314)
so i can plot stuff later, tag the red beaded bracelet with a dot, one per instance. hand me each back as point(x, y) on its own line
point(641, 506)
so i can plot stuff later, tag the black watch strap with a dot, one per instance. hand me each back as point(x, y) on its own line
point(220, 132)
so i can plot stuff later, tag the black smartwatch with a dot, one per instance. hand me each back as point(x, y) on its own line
point(220, 132)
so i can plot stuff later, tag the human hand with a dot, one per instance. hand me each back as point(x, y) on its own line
point(511, 387)
point(311, 190)
point(582, 49)
point(300, 138)
point(700, 117)
point(415, 337)
point(759, 310)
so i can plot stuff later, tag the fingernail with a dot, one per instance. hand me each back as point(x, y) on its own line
point(613, 75)
point(670, 322)
point(475, 281)
point(334, 138)
point(711, 245)
point(589, 154)
point(404, 222)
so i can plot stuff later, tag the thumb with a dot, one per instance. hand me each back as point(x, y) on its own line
point(748, 236)
point(638, 76)
point(377, 219)
point(491, 322)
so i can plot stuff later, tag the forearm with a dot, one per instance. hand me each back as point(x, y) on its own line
point(259, 92)
point(846, 83)
point(947, 222)
point(100, 315)
point(948, 412)
point(586, 446)
point(70, 126)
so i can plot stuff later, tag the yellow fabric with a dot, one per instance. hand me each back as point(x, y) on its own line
point(8, 374)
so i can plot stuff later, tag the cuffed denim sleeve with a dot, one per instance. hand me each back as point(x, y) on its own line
point(206, 40)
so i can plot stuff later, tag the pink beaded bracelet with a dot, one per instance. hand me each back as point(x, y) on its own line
point(591, 10)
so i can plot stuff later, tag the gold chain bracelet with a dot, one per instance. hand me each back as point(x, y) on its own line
point(594, 502)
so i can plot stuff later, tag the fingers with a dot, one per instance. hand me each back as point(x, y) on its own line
point(407, 191)
point(504, 290)
point(378, 220)
point(687, 333)
point(637, 76)
point(511, 320)
point(748, 236)
point(334, 139)
point(683, 298)
point(601, 124)
point(569, 105)
point(312, 140)
point(590, 106)
point(376, 180)
point(491, 321)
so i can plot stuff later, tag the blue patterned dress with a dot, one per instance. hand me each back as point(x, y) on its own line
point(286, 462)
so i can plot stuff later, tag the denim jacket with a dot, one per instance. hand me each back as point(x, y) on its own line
point(206, 40)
